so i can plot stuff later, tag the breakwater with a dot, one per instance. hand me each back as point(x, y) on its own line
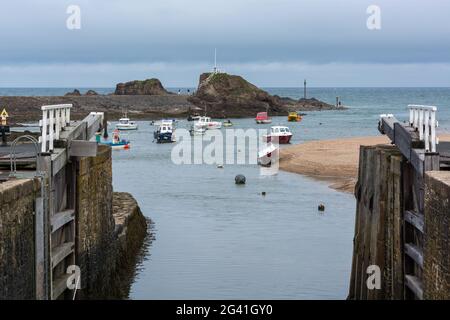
point(401, 239)
point(64, 233)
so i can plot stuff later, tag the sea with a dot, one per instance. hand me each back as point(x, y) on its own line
point(213, 239)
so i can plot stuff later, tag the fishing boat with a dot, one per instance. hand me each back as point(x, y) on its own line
point(126, 124)
point(269, 155)
point(165, 132)
point(207, 123)
point(117, 143)
point(278, 134)
point(294, 117)
point(228, 123)
point(262, 118)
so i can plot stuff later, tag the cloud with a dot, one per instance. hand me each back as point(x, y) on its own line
point(116, 35)
point(264, 74)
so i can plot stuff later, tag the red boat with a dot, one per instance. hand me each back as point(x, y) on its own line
point(279, 134)
point(262, 118)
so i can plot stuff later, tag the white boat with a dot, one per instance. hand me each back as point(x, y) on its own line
point(126, 124)
point(269, 155)
point(197, 131)
point(278, 134)
point(165, 132)
point(206, 123)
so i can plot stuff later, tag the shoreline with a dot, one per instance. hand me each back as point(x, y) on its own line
point(333, 161)
point(139, 107)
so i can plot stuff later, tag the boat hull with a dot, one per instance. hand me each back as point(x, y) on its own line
point(268, 156)
point(164, 137)
point(281, 139)
point(117, 146)
point(124, 128)
point(267, 121)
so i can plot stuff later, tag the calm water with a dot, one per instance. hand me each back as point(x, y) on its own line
point(214, 239)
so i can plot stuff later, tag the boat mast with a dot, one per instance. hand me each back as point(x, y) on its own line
point(215, 60)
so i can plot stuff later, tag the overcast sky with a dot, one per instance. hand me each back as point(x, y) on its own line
point(270, 42)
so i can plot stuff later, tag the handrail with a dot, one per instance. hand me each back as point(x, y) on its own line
point(13, 155)
point(423, 119)
point(55, 118)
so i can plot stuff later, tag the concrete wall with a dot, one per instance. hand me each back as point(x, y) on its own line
point(17, 238)
point(437, 240)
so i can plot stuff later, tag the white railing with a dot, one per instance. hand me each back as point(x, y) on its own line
point(54, 120)
point(423, 119)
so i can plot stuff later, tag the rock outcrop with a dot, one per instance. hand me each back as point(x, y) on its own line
point(149, 87)
point(75, 93)
point(91, 93)
point(224, 95)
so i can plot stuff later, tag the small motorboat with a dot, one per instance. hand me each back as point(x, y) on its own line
point(207, 123)
point(269, 155)
point(193, 117)
point(165, 132)
point(294, 117)
point(197, 131)
point(126, 124)
point(262, 118)
point(117, 143)
point(278, 134)
point(228, 123)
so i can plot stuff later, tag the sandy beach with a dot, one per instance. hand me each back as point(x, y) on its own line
point(334, 161)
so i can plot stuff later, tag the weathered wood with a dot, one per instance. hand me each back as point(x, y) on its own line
point(81, 148)
point(59, 286)
point(62, 218)
point(61, 252)
point(415, 219)
point(415, 253)
point(415, 285)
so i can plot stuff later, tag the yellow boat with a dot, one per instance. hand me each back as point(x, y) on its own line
point(294, 117)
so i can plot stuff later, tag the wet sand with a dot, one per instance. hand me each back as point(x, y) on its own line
point(334, 161)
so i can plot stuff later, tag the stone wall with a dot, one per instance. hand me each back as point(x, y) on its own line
point(17, 238)
point(111, 230)
point(437, 240)
point(95, 223)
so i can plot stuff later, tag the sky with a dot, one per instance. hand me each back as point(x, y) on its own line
point(272, 43)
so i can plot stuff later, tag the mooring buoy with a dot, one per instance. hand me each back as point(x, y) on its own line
point(239, 179)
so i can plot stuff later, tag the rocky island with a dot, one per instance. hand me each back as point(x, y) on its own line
point(219, 94)
point(231, 96)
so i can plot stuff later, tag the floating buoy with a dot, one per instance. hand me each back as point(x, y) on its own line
point(321, 207)
point(239, 179)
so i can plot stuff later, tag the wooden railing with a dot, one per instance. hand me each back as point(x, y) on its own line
point(423, 120)
point(55, 119)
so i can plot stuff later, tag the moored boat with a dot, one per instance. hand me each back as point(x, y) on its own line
point(262, 118)
point(228, 123)
point(197, 131)
point(294, 117)
point(126, 124)
point(269, 155)
point(278, 134)
point(207, 123)
point(165, 132)
point(117, 143)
